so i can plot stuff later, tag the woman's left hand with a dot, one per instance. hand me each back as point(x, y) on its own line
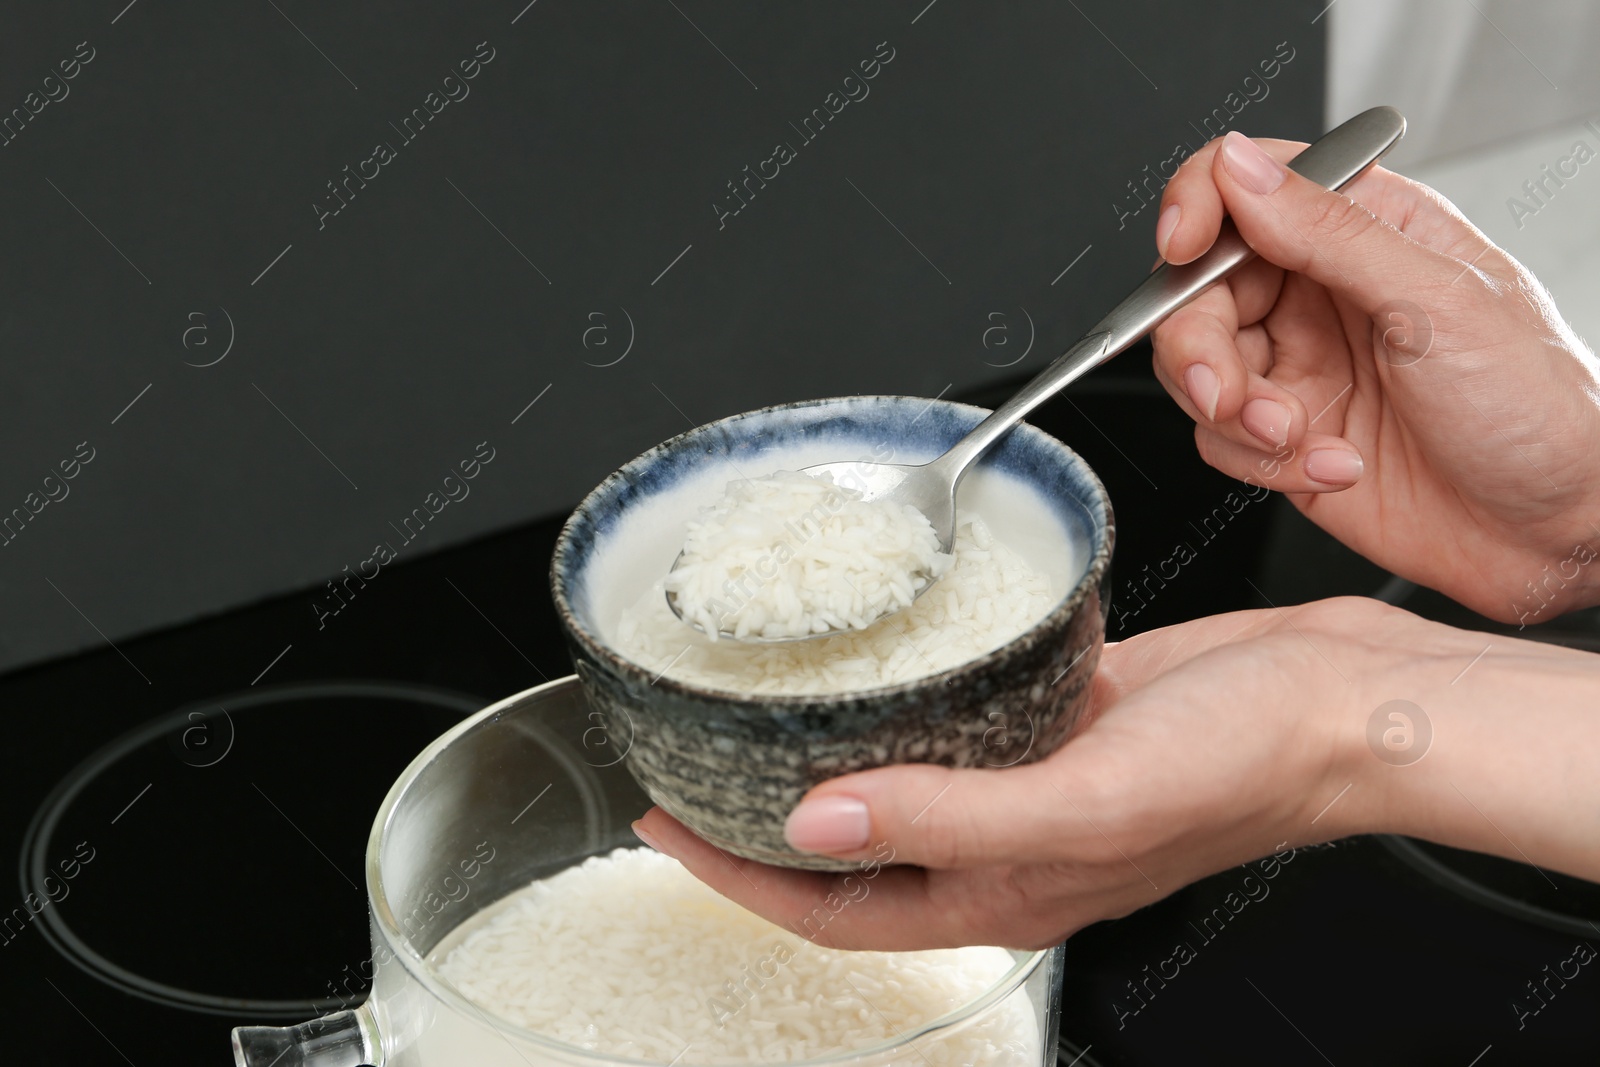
point(1206, 745)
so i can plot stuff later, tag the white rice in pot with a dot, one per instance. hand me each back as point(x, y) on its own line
point(629, 955)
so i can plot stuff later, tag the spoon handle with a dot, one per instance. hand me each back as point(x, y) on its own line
point(1334, 161)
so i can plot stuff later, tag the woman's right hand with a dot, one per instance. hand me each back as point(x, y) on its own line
point(1410, 386)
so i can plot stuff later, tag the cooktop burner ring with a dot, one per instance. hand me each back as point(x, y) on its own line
point(1070, 1055)
point(33, 859)
point(1447, 877)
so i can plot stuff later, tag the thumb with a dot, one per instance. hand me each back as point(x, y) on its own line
point(1303, 227)
point(935, 817)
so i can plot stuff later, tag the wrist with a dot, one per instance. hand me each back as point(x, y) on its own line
point(1381, 730)
point(1377, 723)
point(1497, 756)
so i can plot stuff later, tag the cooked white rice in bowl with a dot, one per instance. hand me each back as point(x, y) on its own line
point(795, 554)
point(989, 595)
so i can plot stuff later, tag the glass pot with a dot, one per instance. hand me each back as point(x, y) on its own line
point(521, 790)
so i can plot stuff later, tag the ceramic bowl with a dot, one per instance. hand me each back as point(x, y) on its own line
point(730, 765)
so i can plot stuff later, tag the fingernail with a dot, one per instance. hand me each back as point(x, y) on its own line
point(1334, 466)
point(1253, 168)
point(1165, 225)
point(643, 835)
point(1268, 420)
point(828, 824)
point(1201, 383)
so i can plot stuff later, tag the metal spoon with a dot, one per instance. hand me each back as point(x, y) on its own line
point(1334, 161)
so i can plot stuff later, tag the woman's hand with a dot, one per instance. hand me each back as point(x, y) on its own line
point(1208, 744)
point(1382, 346)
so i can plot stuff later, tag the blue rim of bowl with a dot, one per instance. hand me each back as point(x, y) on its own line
point(1068, 606)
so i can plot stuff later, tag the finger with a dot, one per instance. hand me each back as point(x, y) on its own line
point(1191, 208)
point(829, 909)
point(879, 906)
point(1426, 216)
point(1409, 205)
point(1318, 463)
point(1255, 288)
point(1255, 348)
point(1297, 224)
point(1199, 362)
point(781, 889)
point(938, 817)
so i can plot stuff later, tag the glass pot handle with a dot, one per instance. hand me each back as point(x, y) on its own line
point(343, 1039)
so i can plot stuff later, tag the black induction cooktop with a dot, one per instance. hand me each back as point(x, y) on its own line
point(200, 799)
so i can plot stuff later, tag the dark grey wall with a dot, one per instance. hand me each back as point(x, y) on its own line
point(164, 206)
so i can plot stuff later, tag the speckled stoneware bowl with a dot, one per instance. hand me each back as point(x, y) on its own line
point(732, 766)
